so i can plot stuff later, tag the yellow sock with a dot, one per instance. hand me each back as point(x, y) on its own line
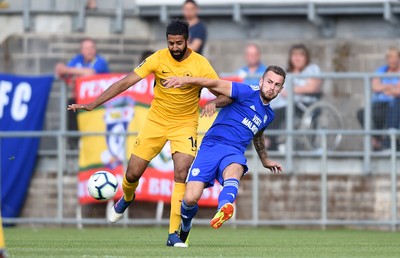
point(129, 189)
point(2, 242)
point(176, 202)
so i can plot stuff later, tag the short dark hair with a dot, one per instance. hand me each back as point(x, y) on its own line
point(178, 27)
point(276, 69)
point(88, 39)
point(297, 47)
point(191, 2)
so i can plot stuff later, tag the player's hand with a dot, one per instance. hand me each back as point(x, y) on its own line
point(76, 107)
point(274, 166)
point(174, 82)
point(209, 109)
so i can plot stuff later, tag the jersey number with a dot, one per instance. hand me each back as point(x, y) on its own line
point(193, 142)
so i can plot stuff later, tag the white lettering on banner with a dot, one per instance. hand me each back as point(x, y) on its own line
point(159, 186)
point(250, 125)
point(82, 189)
point(142, 181)
point(206, 94)
point(93, 88)
point(5, 88)
point(22, 95)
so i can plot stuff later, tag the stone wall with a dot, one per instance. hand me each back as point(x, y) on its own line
point(283, 196)
point(350, 197)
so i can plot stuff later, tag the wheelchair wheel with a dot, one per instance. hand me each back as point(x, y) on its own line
point(320, 116)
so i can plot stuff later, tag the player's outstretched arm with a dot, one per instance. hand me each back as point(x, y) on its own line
point(219, 86)
point(211, 106)
point(259, 144)
point(115, 89)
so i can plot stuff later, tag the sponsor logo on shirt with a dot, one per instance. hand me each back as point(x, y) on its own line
point(252, 124)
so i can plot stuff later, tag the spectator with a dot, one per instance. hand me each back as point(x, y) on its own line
point(197, 29)
point(385, 100)
point(306, 90)
point(254, 69)
point(91, 4)
point(88, 62)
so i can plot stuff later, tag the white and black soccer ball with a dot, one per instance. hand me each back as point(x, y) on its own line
point(102, 185)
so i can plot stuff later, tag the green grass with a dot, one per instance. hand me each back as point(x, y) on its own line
point(225, 242)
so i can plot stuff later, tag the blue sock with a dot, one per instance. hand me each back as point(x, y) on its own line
point(229, 192)
point(187, 214)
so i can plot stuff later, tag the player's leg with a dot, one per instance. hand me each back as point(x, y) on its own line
point(183, 139)
point(148, 144)
point(231, 179)
point(189, 207)
point(182, 162)
point(202, 174)
point(130, 182)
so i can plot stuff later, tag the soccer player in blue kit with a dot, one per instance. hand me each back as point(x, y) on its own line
point(221, 154)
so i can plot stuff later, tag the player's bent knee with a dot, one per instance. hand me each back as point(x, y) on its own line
point(191, 197)
point(190, 200)
point(180, 176)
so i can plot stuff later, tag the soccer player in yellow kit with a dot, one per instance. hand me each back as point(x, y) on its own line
point(173, 116)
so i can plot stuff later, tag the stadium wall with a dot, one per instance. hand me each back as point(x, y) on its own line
point(350, 197)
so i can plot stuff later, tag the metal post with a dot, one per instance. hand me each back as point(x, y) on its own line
point(164, 14)
point(27, 15)
point(367, 124)
point(61, 150)
point(289, 125)
point(79, 20)
point(393, 179)
point(324, 181)
point(255, 187)
point(118, 21)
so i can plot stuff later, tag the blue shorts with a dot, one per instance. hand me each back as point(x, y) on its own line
point(211, 161)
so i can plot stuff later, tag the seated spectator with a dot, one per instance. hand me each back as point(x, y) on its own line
point(197, 29)
point(88, 62)
point(385, 100)
point(306, 90)
point(254, 69)
point(91, 4)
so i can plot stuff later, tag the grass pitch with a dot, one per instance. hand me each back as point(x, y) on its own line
point(224, 242)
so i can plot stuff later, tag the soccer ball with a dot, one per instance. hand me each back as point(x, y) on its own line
point(102, 185)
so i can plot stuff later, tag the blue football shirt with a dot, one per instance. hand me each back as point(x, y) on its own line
point(237, 123)
point(99, 64)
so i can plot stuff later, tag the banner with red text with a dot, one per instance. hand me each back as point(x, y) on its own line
point(126, 113)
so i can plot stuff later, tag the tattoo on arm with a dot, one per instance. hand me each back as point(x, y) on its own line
point(259, 144)
point(222, 101)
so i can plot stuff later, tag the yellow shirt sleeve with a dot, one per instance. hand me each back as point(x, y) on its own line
point(208, 71)
point(148, 66)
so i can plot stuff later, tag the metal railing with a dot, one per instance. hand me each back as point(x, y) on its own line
point(62, 135)
point(318, 13)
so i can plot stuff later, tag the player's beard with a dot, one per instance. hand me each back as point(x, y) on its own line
point(179, 56)
point(267, 97)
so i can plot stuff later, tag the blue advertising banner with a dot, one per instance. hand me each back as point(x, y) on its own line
point(23, 102)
